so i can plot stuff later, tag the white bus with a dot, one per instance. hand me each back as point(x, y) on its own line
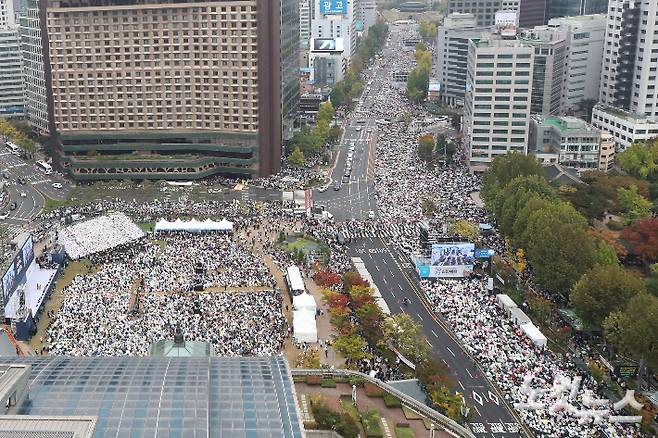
point(13, 148)
point(44, 167)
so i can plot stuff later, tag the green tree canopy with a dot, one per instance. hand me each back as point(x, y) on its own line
point(426, 147)
point(351, 347)
point(634, 331)
point(503, 170)
point(296, 159)
point(602, 290)
point(633, 205)
point(640, 160)
point(405, 335)
point(326, 111)
point(513, 197)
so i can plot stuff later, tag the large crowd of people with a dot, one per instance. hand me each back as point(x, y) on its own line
point(97, 319)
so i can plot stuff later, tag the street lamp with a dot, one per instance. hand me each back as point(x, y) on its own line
point(431, 430)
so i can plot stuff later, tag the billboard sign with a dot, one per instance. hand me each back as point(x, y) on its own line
point(452, 259)
point(333, 7)
point(484, 253)
point(16, 269)
point(327, 45)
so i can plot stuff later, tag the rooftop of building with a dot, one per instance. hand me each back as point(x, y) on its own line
point(579, 18)
point(495, 40)
point(28, 426)
point(625, 115)
point(145, 396)
point(563, 124)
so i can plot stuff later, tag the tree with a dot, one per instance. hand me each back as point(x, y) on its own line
point(590, 199)
point(426, 147)
point(309, 359)
point(558, 246)
point(352, 278)
point(541, 308)
point(513, 197)
point(464, 228)
point(504, 169)
point(632, 204)
point(296, 159)
point(643, 239)
point(417, 83)
point(351, 347)
point(534, 203)
point(428, 207)
point(446, 402)
point(634, 331)
point(640, 160)
point(606, 254)
point(326, 111)
point(405, 335)
point(334, 134)
point(602, 290)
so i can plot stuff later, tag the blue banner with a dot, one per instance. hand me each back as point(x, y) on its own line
point(484, 253)
point(333, 7)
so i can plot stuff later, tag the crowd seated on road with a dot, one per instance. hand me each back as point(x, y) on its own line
point(508, 357)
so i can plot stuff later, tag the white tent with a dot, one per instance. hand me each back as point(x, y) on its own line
point(304, 302)
point(304, 326)
point(532, 332)
point(194, 226)
point(518, 316)
point(505, 302)
point(295, 280)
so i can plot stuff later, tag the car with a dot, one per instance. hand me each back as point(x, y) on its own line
point(369, 129)
point(358, 129)
point(371, 214)
point(59, 185)
point(21, 180)
point(12, 206)
point(5, 175)
point(4, 215)
point(23, 195)
point(323, 189)
point(337, 185)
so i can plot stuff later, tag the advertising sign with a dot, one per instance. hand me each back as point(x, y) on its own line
point(484, 253)
point(333, 7)
point(452, 259)
point(327, 45)
point(627, 370)
point(17, 268)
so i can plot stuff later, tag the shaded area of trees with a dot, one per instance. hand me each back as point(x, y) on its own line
point(419, 78)
point(18, 137)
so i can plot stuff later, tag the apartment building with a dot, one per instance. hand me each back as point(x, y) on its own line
point(452, 54)
point(12, 100)
point(574, 142)
point(548, 68)
point(497, 100)
point(584, 36)
point(36, 104)
point(165, 90)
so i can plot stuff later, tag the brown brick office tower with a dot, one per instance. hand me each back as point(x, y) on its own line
point(160, 89)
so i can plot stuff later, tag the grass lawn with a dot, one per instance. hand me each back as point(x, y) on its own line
point(404, 432)
point(300, 244)
point(146, 227)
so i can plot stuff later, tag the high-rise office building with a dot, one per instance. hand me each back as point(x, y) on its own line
point(367, 12)
point(548, 68)
point(161, 89)
point(483, 10)
point(532, 13)
point(7, 14)
point(36, 105)
point(497, 101)
point(12, 100)
point(630, 64)
point(452, 55)
point(584, 36)
point(570, 8)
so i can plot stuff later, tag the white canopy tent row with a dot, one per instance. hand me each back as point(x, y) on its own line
point(294, 280)
point(304, 326)
point(505, 303)
point(194, 226)
point(534, 334)
point(304, 302)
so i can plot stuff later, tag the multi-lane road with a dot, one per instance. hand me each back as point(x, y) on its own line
point(395, 278)
point(29, 197)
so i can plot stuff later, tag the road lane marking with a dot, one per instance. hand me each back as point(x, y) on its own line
point(469, 373)
point(420, 317)
point(493, 398)
point(384, 279)
point(376, 267)
point(478, 398)
point(434, 333)
point(451, 352)
point(428, 343)
point(462, 386)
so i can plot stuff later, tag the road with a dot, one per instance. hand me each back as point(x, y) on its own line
point(356, 196)
point(36, 186)
point(394, 276)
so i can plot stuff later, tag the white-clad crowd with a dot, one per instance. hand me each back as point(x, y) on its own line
point(96, 316)
point(98, 234)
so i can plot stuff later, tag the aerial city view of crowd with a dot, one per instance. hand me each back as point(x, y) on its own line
point(239, 309)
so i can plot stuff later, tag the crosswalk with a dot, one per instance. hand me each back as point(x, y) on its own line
point(391, 231)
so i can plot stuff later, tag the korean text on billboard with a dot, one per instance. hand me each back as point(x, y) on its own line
point(333, 7)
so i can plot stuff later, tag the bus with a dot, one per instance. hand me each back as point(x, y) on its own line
point(15, 150)
point(44, 167)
